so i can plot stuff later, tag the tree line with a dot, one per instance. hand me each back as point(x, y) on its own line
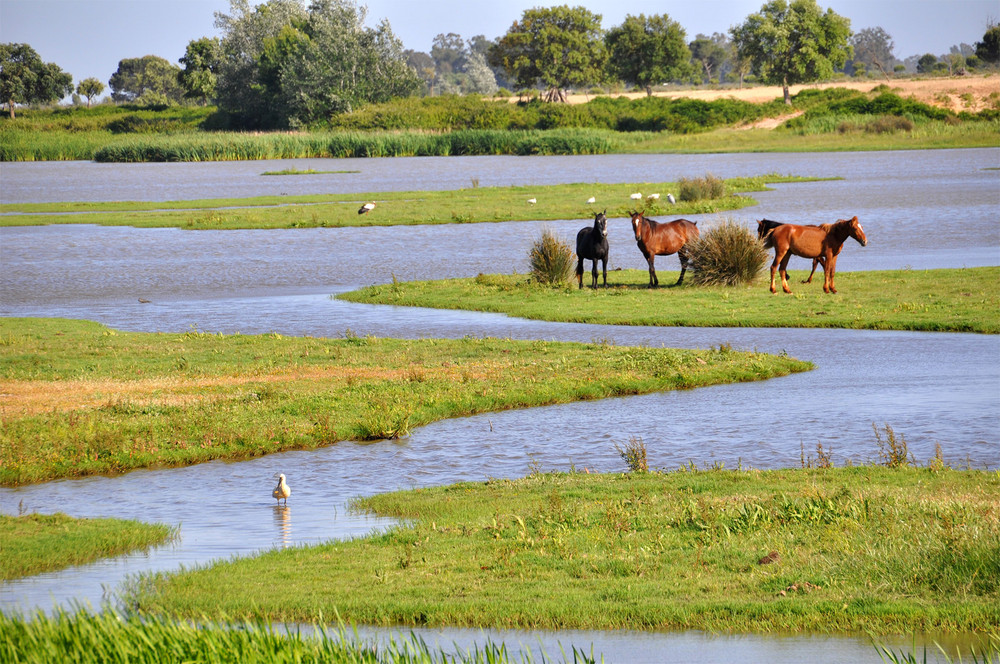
point(282, 64)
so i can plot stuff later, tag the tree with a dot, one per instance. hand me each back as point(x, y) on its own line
point(873, 48)
point(557, 47)
point(927, 63)
point(25, 79)
point(793, 42)
point(988, 50)
point(423, 64)
point(90, 88)
point(147, 80)
point(711, 53)
point(449, 53)
point(201, 62)
point(647, 51)
point(479, 77)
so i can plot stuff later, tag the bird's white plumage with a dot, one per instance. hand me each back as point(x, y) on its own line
point(367, 207)
point(636, 196)
point(532, 201)
point(670, 197)
point(655, 197)
point(282, 491)
point(591, 200)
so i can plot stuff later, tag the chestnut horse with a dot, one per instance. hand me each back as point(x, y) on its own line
point(592, 244)
point(765, 226)
point(656, 239)
point(823, 242)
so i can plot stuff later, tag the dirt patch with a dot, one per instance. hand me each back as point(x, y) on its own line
point(957, 93)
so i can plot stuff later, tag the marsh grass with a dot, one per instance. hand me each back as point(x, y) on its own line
point(111, 638)
point(36, 543)
point(871, 549)
point(551, 259)
point(83, 399)
point(962, 300)
point(698, 189)
point(633, 453)
point(726, 254)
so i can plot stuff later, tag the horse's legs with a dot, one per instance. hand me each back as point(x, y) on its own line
point(593, 274)
point(653, 281)
point(579, 272)
point(774, 266)
point(828, 270)
point(810, 279)
point(604, 268)
point(684, 266)
point(783, 270)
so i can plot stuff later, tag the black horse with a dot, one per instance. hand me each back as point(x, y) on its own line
point(764, 228)
point(592, 244)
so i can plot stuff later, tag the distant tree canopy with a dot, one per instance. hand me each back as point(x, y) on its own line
point(646, 51)
point(711, 53)
point(25, 79)
point(557, 47)
point(201, 63)
point(149, 80)
point(873, 48)
point(793, 42)
point(90, 88)
point(988, 50)
point(284, 66)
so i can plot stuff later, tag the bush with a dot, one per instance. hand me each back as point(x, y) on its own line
point(727, 255)
point(551, 259)
point(698, 189)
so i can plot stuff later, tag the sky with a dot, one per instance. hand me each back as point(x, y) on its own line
point(87, 38)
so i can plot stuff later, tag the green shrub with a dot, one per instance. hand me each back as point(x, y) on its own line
point(551, 259)
point(727, 255)
point(699, 189)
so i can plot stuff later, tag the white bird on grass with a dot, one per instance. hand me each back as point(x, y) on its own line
point(654, 197)
point(591, 200)
point(636, 196)
point(670, 197)
point(367, 207)
point(282, 490)
point(532, 201)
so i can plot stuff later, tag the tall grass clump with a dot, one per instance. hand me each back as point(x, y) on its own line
point(699, 189)
point(551, 259)
point(633, 453)
point(893, 451)
point(728, 254)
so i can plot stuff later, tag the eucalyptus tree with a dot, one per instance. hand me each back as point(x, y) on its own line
point(90, 88)
point(711, 54)
point(645, 51)
point(793, 42)
point(873, 48)
point(25, 79)
point(147, 80)
point(555, 47)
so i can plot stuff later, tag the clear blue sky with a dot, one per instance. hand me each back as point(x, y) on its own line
point(88, 37)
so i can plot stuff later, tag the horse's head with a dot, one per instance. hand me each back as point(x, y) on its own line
point(637, 221)
point(854, 230)
point(601, 223)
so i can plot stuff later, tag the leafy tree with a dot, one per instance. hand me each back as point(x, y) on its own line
point(25, 79)
point(988, 50)
point(146, 80)
point(648, 50)
point(423, 65)
point(873, 48)
point(449, 53)
point(557, 47)
point(711, 53)
point(793, 42)
point(201, 62)
point(926, 63)
point(479, 76)
point(90, 88)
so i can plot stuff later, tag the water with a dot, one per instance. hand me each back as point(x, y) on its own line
point(934, 388)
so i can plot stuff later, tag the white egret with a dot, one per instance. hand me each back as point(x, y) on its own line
point(636, 196)
point(532, 201)
point(367, 207)
point(670, 197)
point(282, 490)
point(591, 200)
point(654, 197)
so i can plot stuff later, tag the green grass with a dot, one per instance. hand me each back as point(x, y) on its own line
point(304, 171)
point(474, 204)
point(958, 300)
point(36, 543)
point(84, 399)
point(863, 549)
point(109, 638)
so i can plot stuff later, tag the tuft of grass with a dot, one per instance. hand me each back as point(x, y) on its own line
point(700, 189)
point(551, 259)
point(893, 451)
point(728, 254)
point(633, 453)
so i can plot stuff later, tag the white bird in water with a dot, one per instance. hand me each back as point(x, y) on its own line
point(636, 196)
point(591, 200)
point(670, 197)
point(532, 201)
point(367, 207)
point(282, 490)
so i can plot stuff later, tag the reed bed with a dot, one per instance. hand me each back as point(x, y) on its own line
point(110, 638)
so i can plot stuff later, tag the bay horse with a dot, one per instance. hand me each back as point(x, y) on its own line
point(824, 241)
point(592, 244)
point(662, 239)
point(765, 226)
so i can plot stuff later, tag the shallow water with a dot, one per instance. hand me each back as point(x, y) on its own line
point(933, 388)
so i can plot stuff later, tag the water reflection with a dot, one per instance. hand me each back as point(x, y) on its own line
point(283, 522)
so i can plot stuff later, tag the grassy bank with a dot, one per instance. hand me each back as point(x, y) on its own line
point(473, 204)
point(107, 638)
point(83, 399)
point(962, 300)
point(36, 543)
point(829, 550)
